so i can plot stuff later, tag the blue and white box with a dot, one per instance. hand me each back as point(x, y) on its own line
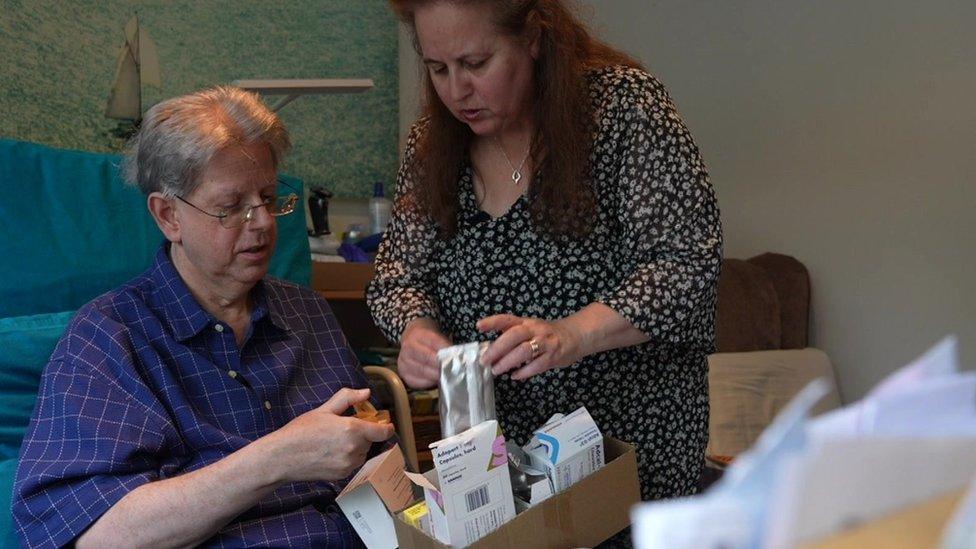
point(568, 448)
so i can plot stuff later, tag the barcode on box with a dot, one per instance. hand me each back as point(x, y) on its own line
point(477, 498)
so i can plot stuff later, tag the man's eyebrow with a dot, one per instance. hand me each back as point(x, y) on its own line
point(229, 194)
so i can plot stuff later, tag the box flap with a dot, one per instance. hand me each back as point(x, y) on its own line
point(385, 474)
point(561, 439)
point(427, 481)
point(363, 474)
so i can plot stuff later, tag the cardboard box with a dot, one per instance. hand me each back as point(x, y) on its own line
point(589, 512)
point(378, 489)
point(568, 449)
point(469, 492)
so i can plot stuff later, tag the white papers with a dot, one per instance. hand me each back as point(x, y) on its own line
point(679, 523)
point(960, 533)
point(942, 360)
point(849, 482)
point(733, 514)
point(910, 439)
point(928, 397)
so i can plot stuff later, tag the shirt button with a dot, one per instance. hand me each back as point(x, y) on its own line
point(219, 327)
point(232, 374)
point(267, 404)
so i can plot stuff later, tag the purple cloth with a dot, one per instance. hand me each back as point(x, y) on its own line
point(138, 389)
point(353, 253)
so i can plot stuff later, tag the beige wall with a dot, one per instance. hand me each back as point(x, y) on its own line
point(842, 133)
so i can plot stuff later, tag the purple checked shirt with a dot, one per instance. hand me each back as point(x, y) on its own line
point(145, 385)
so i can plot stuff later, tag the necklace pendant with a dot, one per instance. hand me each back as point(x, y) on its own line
point(516, 177)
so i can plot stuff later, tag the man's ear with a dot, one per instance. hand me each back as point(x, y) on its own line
point(164, 212)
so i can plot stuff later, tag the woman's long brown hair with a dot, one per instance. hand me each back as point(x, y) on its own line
point(562, 201)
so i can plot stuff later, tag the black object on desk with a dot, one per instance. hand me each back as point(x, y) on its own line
point(318, 209)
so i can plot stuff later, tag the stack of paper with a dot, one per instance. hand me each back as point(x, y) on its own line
point(910, 439)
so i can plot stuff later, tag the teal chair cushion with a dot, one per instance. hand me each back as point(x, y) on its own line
point(7, 538)
point(72, 230)
point(27, 343)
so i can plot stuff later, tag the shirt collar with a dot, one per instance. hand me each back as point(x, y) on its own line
point(266, 308)
point(185, 316)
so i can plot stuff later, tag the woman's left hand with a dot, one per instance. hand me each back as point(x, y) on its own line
point(530, 346)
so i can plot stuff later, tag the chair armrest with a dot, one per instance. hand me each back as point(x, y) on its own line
point(401, 411)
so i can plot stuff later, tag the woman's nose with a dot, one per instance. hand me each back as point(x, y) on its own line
point(460, 85)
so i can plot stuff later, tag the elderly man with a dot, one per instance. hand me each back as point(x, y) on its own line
point(202, 402)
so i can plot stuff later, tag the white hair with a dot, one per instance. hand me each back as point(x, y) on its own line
point(180, 136)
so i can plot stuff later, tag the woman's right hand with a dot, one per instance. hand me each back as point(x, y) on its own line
point(417, 363)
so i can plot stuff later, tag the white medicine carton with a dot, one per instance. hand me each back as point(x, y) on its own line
point(568, 448)
point(469, 492)
point(378, 489)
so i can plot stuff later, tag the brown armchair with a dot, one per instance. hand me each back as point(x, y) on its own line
point(763, 358)
point(763, 304)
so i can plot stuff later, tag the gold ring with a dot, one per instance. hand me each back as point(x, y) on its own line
point(534, 346)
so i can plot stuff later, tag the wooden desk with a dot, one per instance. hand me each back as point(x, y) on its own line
point(343, 285)
point(341, 281)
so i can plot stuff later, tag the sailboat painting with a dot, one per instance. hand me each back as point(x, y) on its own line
point(59, 63)
point(138, 64)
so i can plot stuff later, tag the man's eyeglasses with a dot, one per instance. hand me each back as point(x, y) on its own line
point(238, 215)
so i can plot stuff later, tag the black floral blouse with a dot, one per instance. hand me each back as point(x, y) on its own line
point(653, 256)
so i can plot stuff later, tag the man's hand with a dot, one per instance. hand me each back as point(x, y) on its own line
point(187, 509)
point(417, 362)
point(322, 444)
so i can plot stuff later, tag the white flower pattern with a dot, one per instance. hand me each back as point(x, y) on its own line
point(653, 256)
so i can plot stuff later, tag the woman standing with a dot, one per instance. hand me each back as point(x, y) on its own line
point(551, 199)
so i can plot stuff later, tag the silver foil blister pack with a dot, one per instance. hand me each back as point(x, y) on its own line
point(467, 388)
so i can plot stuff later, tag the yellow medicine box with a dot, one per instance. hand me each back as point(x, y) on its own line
point(416, 516)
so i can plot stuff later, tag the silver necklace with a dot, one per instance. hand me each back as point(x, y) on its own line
point(516, 172)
